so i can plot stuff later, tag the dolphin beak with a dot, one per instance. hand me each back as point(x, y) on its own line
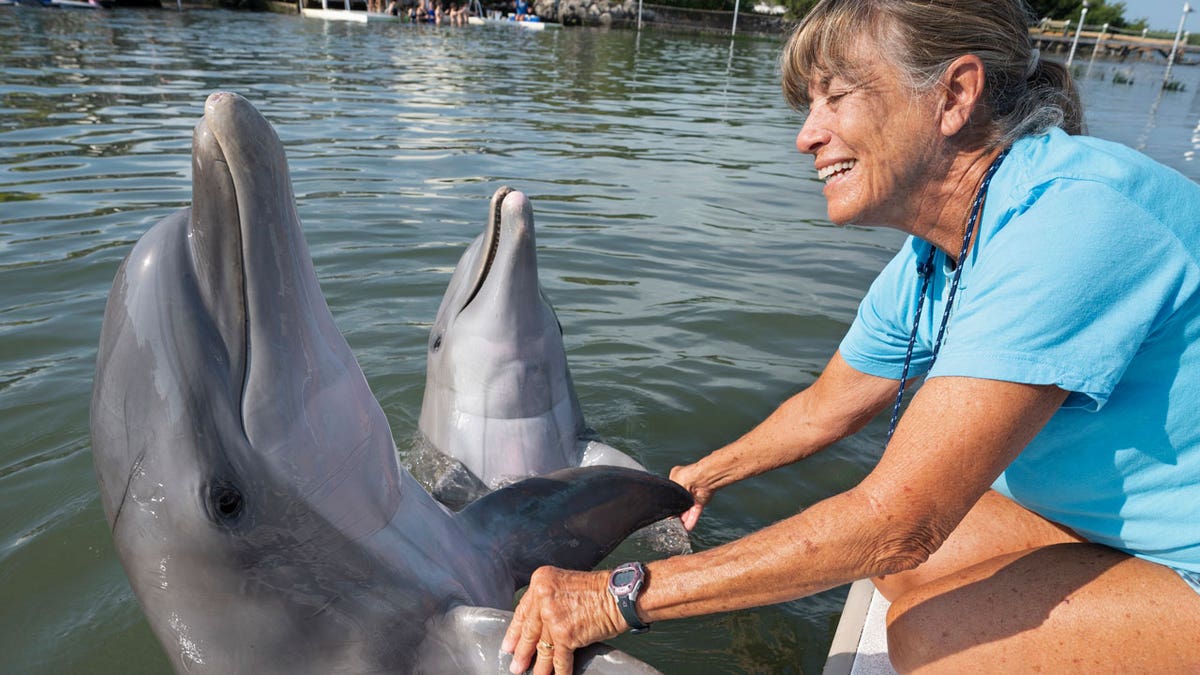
point(491, 243)
point(301, 385)
point(250, 256)
point(507, 252)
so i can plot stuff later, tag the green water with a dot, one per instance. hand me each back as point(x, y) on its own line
point(681, 237)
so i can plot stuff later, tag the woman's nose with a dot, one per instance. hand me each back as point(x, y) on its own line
point(813, 134)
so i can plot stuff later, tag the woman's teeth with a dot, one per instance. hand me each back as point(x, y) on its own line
point(834, 169)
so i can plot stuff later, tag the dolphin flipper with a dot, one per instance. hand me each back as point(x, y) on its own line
point(665, 536)
point(571, 518)
point(466, 640)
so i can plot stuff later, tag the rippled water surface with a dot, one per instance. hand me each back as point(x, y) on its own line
point(681, 238)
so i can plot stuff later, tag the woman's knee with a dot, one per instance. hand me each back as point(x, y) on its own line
point(908, 632)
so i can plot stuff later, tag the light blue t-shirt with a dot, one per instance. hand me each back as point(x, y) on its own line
point(1084, 274)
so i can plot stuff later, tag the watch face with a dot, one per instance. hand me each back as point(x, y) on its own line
point(622, 580)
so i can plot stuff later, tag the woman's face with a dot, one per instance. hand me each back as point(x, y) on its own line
point(874, 143)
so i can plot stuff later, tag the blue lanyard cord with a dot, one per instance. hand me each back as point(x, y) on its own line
point(925, 270)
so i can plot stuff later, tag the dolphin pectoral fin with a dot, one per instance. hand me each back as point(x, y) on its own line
point(595, 453)
point(667, 536)
point(571, 518)
point(467, 640)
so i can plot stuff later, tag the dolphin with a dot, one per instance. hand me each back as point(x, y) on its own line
point(250, 478)
point(499, 401)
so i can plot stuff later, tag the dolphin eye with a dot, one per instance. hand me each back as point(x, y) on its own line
point(437, 343)
point(225, 502)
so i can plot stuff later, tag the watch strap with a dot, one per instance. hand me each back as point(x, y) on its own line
point(626, 606)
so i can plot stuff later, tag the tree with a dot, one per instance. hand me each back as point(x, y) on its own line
point(1099, 11)
point(798, 8)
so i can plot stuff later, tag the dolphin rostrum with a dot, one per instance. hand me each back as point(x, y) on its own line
point(499, 399)
point(250, 477)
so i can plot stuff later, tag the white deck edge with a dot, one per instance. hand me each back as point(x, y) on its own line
point(860, 642)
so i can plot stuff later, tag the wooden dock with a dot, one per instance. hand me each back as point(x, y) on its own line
point(1111, 45)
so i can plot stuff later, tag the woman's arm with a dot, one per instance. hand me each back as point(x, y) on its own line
point(838, 404)
point(956, 437)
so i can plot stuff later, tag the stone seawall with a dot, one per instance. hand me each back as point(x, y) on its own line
point(624, 13)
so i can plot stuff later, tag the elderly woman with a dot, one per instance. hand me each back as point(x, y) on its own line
point(1038, 506)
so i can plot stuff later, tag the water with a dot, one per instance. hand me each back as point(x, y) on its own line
point(682, 240)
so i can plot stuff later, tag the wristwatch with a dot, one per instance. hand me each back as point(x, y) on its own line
point(624, 584)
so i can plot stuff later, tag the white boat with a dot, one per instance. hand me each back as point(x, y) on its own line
point(860, 642)
point(329, 12)
point(61, 4)
point(383, 16)
point(511, 22)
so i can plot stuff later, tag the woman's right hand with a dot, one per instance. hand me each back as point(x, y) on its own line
point(689, 477)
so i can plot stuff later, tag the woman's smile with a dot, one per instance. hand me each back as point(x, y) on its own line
point(835, 170)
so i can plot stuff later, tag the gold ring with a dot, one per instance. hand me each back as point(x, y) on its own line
point(545, 646)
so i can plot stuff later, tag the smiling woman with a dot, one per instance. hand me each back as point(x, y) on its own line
point(1050, 461)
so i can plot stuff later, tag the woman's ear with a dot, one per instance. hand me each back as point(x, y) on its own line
point(963, 84)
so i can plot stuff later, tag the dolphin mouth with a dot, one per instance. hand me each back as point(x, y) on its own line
point(491, 243)
point(217, 232)
point(248, 251)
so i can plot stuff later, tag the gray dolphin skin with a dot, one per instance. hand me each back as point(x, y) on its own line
point(250, 478)
point(498, 392)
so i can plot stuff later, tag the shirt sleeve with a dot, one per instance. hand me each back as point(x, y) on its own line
point(1066, 293)
point(877, 340)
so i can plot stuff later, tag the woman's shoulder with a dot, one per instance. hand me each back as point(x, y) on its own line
point(1092, 176)
point(1055, 155)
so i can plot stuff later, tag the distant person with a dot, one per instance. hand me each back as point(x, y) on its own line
point(522, 7)
point(1038, 507)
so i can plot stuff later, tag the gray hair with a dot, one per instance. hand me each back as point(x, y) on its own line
point(1023, 94)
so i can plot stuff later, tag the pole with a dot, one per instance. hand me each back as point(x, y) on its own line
point(1099, 41)
point(1078, 30)
point(639, 15)
point(1175, 47)
point(733, 31)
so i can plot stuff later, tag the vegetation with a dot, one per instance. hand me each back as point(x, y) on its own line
point(1100, 12)
point(1122, 77)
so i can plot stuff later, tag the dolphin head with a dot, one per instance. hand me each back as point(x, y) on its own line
point(498, 392)
point(238, 448)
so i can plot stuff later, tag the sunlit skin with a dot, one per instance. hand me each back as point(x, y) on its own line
point(923, 523)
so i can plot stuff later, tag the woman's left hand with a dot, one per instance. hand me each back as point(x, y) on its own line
point(560, 612)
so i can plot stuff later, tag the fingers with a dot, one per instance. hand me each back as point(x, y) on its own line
point(560, 612)
point(689, 518)
point(522, 636)
point(564, 661)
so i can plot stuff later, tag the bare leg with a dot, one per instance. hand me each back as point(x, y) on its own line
point(995, 526)
point(1060, 608)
